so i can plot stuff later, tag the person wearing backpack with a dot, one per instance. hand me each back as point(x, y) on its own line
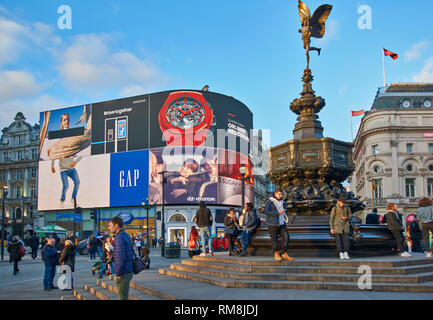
point(193, 242)
point(14, 248)
point(204, 220)
point(249, 223)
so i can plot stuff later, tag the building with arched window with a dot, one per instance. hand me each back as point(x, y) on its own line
point(19, 149)
point(393, 149)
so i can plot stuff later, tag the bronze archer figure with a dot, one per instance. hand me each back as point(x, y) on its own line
point(312, 26)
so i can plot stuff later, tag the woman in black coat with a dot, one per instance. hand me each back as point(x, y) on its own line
point(68, 257)
point(14, 255)
point(232, 225)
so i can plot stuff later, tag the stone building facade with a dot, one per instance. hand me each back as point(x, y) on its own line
point(19, 153)
point(393, 149)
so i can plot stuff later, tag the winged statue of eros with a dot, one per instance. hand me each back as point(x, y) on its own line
point(316, 22)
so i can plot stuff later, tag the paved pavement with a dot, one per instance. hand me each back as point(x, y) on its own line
point(27, 285)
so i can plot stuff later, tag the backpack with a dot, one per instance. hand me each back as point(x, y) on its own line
point(192, 243)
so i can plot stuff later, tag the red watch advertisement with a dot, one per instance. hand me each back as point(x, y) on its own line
point(185, 118)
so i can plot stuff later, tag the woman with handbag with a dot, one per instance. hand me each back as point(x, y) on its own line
point(232, 225)
point(193, 242)
point(14, 249)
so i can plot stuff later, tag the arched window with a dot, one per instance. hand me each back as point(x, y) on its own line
point(177, 217)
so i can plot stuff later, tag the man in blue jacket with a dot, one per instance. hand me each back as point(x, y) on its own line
point(123, 257)
point(51, 259)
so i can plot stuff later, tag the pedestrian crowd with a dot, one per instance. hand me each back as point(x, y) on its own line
point(123, 256)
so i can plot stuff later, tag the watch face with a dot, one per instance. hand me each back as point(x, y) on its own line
point(406, 103)
point(185, 113)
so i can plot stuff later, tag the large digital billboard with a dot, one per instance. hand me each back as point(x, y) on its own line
point(109, 154)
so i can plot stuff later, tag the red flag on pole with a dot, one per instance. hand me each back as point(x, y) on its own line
point(389, 53)
point(357, 113)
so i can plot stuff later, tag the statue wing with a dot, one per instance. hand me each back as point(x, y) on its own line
point(318, 20)
point(304, 12)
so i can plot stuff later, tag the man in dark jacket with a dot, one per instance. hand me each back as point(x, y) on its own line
point(123, 257)
point(275, 211)
point(204, 220)
point(51, 260)
point(416, 236)
point(34, 245)
point(372, 217)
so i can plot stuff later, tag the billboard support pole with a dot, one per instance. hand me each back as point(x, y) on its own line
point(162, 215)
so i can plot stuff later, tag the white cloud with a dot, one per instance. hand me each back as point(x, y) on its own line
point(89, 64)
point(18, 84)
point(16, 38)
point(415, 51)
point(426, 74)
point(30, 108)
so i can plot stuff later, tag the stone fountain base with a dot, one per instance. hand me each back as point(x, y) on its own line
point(310, 237)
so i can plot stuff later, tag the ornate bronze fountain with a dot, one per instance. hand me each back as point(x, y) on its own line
point(310, 170)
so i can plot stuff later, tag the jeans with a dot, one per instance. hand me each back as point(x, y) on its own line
point(50, 273)
point(245, 239)
point(205, 232)
point(100, 252)
point(92, 253)
point(274, 231)
point(34, 252)
point(72, 173)
point(426, 228)
point(15, 266)
point(342, 241)
point(123, 285)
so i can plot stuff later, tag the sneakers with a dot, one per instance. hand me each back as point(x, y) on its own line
point(285, 256)
point(211, 253)
point(202, 254)
point(346, 256)
point(428, 255)
point(405, 254)
point(342, 257)
point(277, 256)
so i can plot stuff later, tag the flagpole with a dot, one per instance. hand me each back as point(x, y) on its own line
point(383, 63)
point(351, 126)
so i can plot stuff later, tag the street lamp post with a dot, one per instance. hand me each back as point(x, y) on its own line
point(143, 203)
point(5, 193)
point(163, 181)
point(242, 171)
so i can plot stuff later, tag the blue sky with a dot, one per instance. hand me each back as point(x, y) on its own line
point(248, 49)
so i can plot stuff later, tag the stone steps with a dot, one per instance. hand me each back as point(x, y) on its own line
point(296, 285)
point(305, 276)
point(288, 268)
point(106, 289)
point(393, 274)
point(266, 261)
